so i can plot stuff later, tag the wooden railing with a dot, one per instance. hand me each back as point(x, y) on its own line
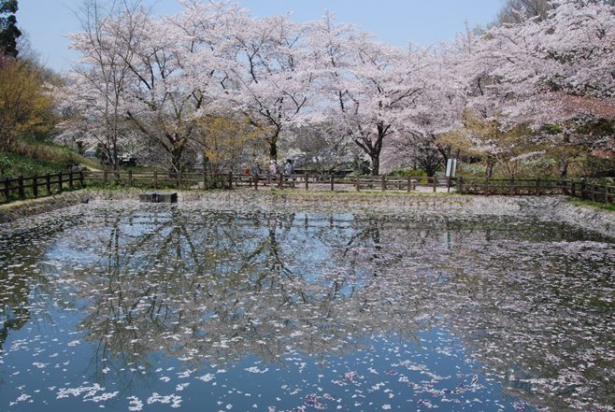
point(22, 188)
point(580, 189)
point(307, 181)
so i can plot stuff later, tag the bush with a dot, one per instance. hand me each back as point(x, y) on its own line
point(408, 173)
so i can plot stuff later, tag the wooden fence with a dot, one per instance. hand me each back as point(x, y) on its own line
point(37, 186)
point(538, 187)
point(307, 181)
point(22, 188)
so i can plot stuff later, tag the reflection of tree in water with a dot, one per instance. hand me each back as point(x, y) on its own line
point(217, 287)
point(21, 251)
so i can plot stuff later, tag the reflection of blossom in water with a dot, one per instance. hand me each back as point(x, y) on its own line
point(298, 291)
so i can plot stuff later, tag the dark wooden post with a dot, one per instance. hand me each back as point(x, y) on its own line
point(105, 177)
point(22, 191)
point(48, 184)
point(204, 179)
point(307, 180)
point(409, 189)
point(460, 185)
point(435, 184)
point(82, 178)
point(280, 181)
point(70, 180)
point(7, 189)
point(449, 182)
point(60, 182)
point(606, 194)
point(155, 178)
point(358, 183)
point(573, 189)
point(332, 178)
point(230, 180)
point(593, 192)
point(35, 186)
point(255, 181)
point(384, 183)
point(130, 178)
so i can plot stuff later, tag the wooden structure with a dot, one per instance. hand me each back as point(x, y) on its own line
point(37, 186)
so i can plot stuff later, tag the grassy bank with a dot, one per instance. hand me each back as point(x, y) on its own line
point(36, 158)
point(594, 205)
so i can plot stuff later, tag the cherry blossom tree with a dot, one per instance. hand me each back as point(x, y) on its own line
point(373, 89)
point(272, 73)
point(96, 88)
point(553, 70)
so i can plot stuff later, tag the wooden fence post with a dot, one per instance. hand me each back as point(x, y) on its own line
point(449, 182)
point(435, 183)
point(130, 178)
point(105, 177)
point(409, 184)
point(35, 186)
point(332, 183)
point(307, 179)
point(48, 184)
point(358, 183)
point(82, 178)
point(280, 181)
point(60, 182)
point(255, 181)
point(204, 179)
point(460, 185)
point(155, 178)
point(384, 183)
point(70, 180)
point(22, 191)
point(230, 180)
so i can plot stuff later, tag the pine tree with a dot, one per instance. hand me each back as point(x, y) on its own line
point(9, 33)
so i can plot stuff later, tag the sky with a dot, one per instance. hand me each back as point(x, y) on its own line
point(397, 22)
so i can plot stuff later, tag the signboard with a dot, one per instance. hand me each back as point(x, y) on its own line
point(451, 168)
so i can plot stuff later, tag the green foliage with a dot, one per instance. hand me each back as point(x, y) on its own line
point(596, 205)
point(9, 33)
point(408, 172)
point(30, 158)
point(552, 129)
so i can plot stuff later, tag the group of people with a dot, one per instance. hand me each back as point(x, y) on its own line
point(274, 169)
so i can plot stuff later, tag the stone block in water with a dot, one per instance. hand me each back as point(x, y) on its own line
point(156, 197)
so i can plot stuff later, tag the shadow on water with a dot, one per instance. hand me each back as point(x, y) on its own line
point(515, 313)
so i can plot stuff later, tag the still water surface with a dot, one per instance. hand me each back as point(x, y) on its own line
point(126, 307)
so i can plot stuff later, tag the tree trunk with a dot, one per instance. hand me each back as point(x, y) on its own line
point(273, 150)
point(563, 168)
point(489, 170)
point(375, 157)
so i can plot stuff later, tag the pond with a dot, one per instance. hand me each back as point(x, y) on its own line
point(131, 307)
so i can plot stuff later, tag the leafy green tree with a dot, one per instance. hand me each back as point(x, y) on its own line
point(9, 33)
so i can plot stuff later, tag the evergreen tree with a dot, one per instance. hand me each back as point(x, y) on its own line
point(8, 27)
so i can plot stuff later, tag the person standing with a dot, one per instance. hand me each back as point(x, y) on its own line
point(288, 167)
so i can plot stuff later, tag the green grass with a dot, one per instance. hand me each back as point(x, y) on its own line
point(596, 205)
point(36, 158)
